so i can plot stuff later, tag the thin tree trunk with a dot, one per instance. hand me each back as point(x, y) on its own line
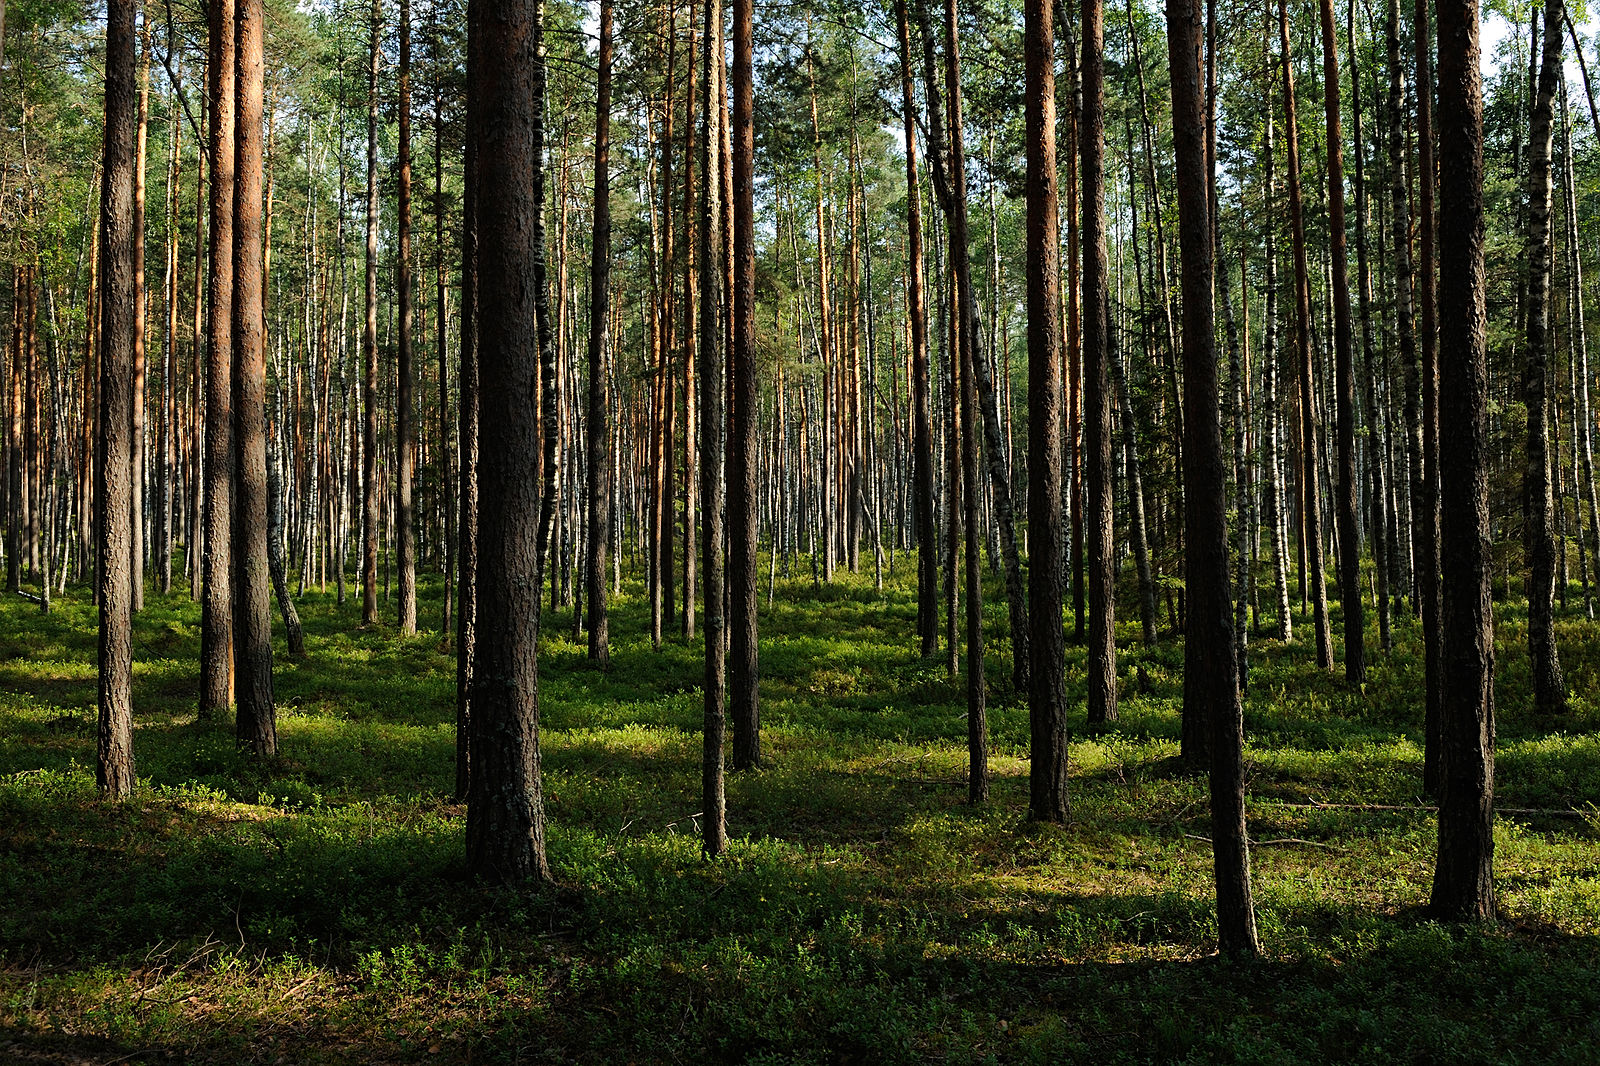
point(369, 347)
point(405, 428)
point(1426, 491)
point(1311, 502)
point(1205, 512)
point(1549, 687)
point(598, 471)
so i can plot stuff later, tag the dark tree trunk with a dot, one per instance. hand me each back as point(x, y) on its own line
point(467, 458)
point(1345, 509)
point(113, 459)
point(597, 428)
point(1208, 627)
point(743, 396)
point(1463, 881)
point(1313, 571)
point(922, 443)
point(1549, 688)
point(505, 809)
point(216, 621)
point(1102, 660)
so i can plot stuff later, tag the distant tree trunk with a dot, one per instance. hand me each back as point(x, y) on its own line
point(1371, 358)
point(1426, 493)
point(405, 427)
point(922, 444)
point(1311, 501)
point(598, 471)
point(713, 800)
point(140, 330)
point(467, 457)
point(113, 487)
point(1346, 511)
point(369, 347)
point(169, 404)
point(505, 809)
point(1205, 510)
point(277, 565)
point(252, 586)
point(216, 623)
point(1271, 404)
point(1549, 688)
point(549, 414)
point(1047, 703)
point(1102, 660)
point(1583, 440)
point(743, 395)
point(1463, 879)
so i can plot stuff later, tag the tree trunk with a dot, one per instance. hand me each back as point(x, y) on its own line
point(1426, 492)
point(598, 472)
point(113, 486)
point(505, 809)
point(216, 624)
point(743, 396)
point(1311, 503)
point(369, 347)
point(1549, 688)
point(1047, 702)
point(1102, 660)
point(405, 426)
point(1208, 628)
point(713, 800)
point(256, 726)
point(1463, 879)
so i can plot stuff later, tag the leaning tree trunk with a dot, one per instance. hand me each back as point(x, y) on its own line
point(1549, 688)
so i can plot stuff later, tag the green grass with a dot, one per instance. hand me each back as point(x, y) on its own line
point(314, 909)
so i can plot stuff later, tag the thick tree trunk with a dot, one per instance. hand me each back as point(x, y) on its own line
point(113, 486)
point(1463, 879)
point(1047, 702)
point(216, 623)
point(505, 809)
point(743, 396)
point(256, 726)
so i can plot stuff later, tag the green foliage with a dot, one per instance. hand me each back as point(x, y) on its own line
point(314, 909)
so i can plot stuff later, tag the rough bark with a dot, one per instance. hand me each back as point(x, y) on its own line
point(505, 808)
point(598, 471)
point(113, 485)
point(1463, 881)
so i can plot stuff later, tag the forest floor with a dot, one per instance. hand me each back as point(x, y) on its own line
point(313, 909)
